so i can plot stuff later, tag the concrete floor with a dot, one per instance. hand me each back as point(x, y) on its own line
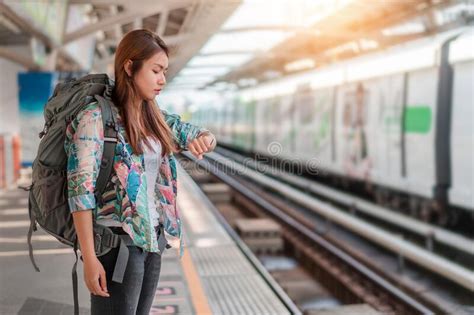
point(22, 289)
point(49, 292)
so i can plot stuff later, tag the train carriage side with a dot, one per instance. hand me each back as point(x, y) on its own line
point(461, 58)
point(392, 127)
point(314, 119)
point(378, 119)
point(272, 126)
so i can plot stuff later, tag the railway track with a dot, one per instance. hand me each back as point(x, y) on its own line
point(348, 277)
point(428, 235)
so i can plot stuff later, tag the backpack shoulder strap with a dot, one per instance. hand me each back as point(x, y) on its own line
point(106, 165)
point(110, 141)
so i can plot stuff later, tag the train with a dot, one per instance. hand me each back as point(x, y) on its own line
point(396, 123)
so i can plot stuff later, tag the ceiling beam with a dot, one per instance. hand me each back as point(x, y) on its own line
point(140, 11)
point(138, 23)
point(9, 25)
point(276, 28)
point(14, 56)
point(110, 41)
point(131, 3)
point(174, 40)
point(102, 25)
point(32, 31)
point(169, 40)
point(26, 26)
point(161, 27)
point(117, 27)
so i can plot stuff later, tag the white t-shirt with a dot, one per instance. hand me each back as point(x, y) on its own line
point(152, 164)
point(152, 159)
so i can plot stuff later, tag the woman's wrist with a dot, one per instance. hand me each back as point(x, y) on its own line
point(84, 233)
point(88, 256)
point(212, 141)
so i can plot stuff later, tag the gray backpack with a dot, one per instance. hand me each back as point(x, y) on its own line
point(48, 202)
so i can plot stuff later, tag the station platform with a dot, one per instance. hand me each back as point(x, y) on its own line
point(213, 277)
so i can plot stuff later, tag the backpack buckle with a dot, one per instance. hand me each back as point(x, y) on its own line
point(97, 243)
point(112, 125)
point(110, 139)
point(111, 240)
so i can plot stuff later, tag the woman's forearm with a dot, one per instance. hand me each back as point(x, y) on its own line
point(83, 224)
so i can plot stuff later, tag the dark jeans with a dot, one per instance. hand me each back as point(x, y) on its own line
point(135, 295)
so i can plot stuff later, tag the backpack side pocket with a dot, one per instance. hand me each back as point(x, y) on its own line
point(49, 189)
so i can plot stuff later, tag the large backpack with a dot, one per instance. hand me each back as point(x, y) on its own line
point(48, 202)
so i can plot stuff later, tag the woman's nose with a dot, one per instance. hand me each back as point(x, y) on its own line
point(162, 79)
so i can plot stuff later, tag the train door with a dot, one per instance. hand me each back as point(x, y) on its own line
point(419, 131)
point(386, 116)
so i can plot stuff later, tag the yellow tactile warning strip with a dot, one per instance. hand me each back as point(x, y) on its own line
point(198, 297)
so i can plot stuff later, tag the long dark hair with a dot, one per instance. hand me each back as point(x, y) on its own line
point(138, 46)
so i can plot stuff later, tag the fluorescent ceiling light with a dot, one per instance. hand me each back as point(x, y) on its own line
point(244, 41)
point(204, 71)
point(404, 29)
point(230, 60)
point(251, 13)
point(202, 79)
point(194, 85)
point(238, 43)
point(301, 64)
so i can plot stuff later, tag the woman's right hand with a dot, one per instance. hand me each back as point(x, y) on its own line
point(94, 273)
point(94, 277)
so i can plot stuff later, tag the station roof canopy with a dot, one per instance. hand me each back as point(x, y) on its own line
point(218, 44)
point(261, 42)
point(83, 34)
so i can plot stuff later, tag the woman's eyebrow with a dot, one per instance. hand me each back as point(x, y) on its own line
point(160, 66)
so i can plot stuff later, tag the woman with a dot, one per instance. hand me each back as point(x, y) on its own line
point(140, 201)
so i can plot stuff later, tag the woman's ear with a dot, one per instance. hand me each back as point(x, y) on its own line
point(128, 67)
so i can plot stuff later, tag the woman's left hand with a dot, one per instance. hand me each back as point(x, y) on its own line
point(202, 144)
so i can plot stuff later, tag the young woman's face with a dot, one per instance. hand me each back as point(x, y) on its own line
point(151, 78)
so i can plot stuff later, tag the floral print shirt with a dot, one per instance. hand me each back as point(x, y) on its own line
point(126, 198)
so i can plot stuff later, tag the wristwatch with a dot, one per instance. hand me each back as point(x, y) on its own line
point(213, 140)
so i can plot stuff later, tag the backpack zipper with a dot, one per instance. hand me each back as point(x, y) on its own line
point(46, 127)
point(44, 131)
